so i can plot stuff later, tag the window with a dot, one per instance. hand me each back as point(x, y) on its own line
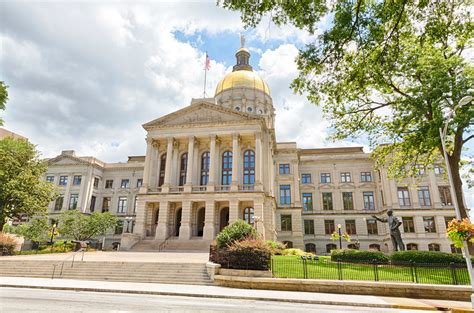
point(62, 180)
point(288, 244)
point(50, 179)
point(351, 227)
point(309, 227)
point(105, 204)
point(445, 195)
point(249, 109)
point(306, 178)
point(403, 196)
point(433, 247)
point(92, 207)
point(119, 228)
point(109, 183)
point(369, 202)
point(284, 168)
point(353, 246)
point(122, 205)
point(412, 246)
point(249, 215)
point(249, 167)
point(161, 179)
point(285, 194)
point(308, 201)
point(205, 162)
point(327, 201)
point(347, 201)
point(408, 224)
point(329, 227)
point(325, 178)
point(424, 196)
point(96, 182)
point(438, 169)
point(448, 219)
point(310, 247)
point(139, 182)
point(330, 246)
point(372, 227)
point(58, 205)
point(76, 180)
point(374, 246)
point(286, 223)
point(183, 165)
point(125, 183)
point(420, 169)
point(227, 168)
point(455, 250)
point(429, 223)
point(346, 177)
point(365, 177)
point(73, 199)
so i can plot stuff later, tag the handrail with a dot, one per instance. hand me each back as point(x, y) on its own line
point(162, 245)
point(65, 260)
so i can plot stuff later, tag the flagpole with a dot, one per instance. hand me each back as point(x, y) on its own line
point(205, 75)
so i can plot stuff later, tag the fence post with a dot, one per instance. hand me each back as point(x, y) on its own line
point(453, 273)
point(416, 274)
point(412, 271)
point(305, 268)
point(376, 271)
point(339, 269)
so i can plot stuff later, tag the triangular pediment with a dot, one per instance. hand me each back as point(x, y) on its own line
point(200, 113)
point(66, 160)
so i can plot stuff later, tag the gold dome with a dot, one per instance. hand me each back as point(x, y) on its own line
point(242, 79)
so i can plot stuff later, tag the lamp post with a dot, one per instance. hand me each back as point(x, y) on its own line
point(443, 133)
point(340, 235)
point(129, 220)
point(53, 231)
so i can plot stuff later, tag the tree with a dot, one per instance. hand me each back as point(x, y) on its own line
point(36, 230)
point(3, 98)
point(22, 191)
point(388, 70)
point(82, 227)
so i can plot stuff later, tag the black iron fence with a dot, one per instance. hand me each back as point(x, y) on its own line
point(314, 268)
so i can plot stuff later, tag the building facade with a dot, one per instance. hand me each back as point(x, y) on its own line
point(217, 160)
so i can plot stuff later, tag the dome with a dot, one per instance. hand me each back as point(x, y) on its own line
point(242, 79)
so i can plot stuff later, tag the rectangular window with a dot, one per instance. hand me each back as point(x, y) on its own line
point(285, 194)
point(73, 201)
point(327, 201)
point(119, 228)
point(76, 180)
point(445, 195)
point(408, 224)
point(346, 177)
point(50, 179)
point(372, 227)
point(106, 204)
point(347, 201)
point(351, 227)
point(284, 168)
point(286, 223)
point(365, 177)
point(125, 183)
point(109, 183)
point(139, 182)
point(92, 207)
point(420, 169)
point(309, 227)
point(438, 169)
point(403, 196)
point(96, 182)
point(369, 201)
point(306, 178)
point(62, 180)
point(424, 196)
point(308, 201)
point(329, 227)
point(58, 205)
point(448, 219)
point(122, 205)
point(429, 223)
point(325, 178)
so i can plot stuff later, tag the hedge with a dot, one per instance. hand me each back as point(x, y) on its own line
point(239, 230)
point(429, 257)
point(358, 256)
point(245, 254)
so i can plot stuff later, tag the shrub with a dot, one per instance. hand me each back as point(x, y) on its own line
point(277, 247)
point(8, 243)
point(433, 257)
point(297, 252)
point(248, 254)
point(358, 256)
point(239, 230)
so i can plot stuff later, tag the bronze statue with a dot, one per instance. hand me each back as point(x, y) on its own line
point(393, 223)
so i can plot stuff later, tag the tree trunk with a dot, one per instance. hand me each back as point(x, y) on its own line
point(457, 184)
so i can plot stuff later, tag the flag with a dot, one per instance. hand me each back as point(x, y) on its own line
point(207, 65)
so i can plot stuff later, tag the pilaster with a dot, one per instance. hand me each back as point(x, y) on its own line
point(209, 221)
point(162, 230)
point(233, 210)
point(185, 229)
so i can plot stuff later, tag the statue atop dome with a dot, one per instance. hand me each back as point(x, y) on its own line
point(242, 41)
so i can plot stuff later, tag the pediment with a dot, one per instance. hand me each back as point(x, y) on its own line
point(65, 160)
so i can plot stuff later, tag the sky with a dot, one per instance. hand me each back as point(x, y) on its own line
point(86, 75)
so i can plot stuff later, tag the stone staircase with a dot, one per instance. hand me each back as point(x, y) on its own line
point(173, 244)
point(166, 273)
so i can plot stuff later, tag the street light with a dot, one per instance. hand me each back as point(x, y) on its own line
point(53, 231)
point(443, 133)
point(340, 235)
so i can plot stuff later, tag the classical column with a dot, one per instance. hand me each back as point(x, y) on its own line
point(190, 164)
point(234, 211)
point(212, 164)
point(152, 173)
point(209, 221)
point(258, 162)
point(186, 213)
point(146, 170)
point(162, 229)
point(235, 162)
point(140, 220)
point(259, 218)
point(169, 160)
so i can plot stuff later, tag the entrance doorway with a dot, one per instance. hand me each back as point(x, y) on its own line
point(200, 221)
point(177, 224)
point(224, 218)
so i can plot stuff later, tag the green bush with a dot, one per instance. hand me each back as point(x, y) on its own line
point(277, 247)
point(294, 251)
point(246, 254)
point(358, 256)
point(432, 257)
point(239, 230)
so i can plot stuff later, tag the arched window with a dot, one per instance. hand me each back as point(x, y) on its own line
point(330, 246)
point(412, 246)
point(310, 247)
point(205, 159)
point(433, 247)
point(353, 246)
point(249, 215)
point(227, 168)
point(161, 181)
point(288, 244)
point(249, 167)
point(182, 169)
point(374, 246)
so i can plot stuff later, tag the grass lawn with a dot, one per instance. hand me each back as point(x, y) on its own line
point(292, 267)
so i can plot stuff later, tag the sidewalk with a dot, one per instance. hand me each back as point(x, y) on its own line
point(231, 293)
